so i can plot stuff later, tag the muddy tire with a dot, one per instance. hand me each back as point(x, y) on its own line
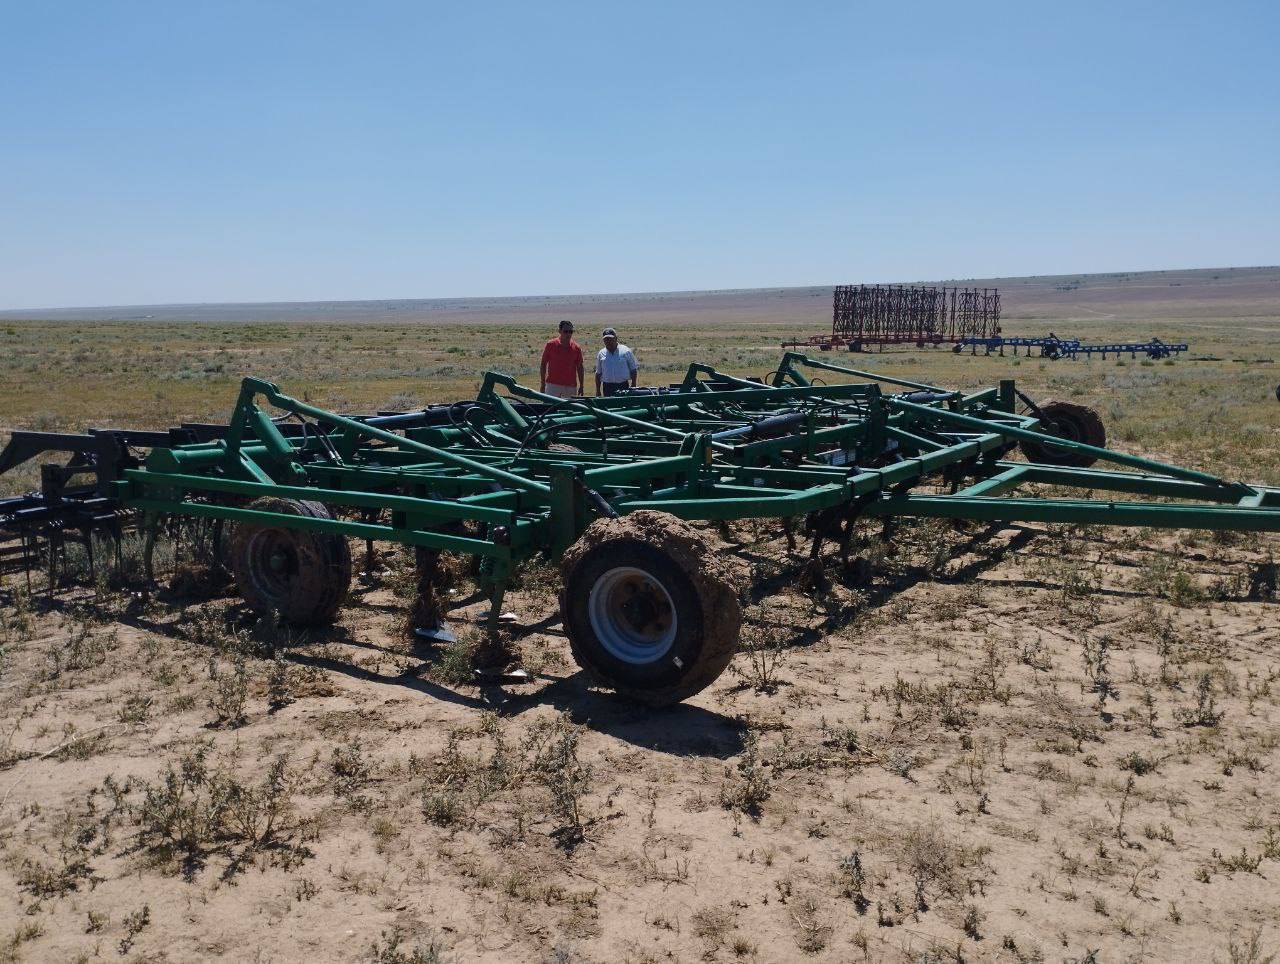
point(651, 610)
point(1075, 423)
point(303, 576)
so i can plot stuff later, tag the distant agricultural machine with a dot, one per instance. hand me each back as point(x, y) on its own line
point(1053, 347)
point(920, 315)
point(602, 485)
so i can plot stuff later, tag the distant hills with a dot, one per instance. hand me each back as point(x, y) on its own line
point(1220, 293)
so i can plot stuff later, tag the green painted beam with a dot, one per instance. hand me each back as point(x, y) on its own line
point(1135, 483)
point(1107, 455)
point(791, 357)
point(362, 530)
point(997, 484)
point(1081, 511)
point(282, 401)
point(782, 506)
point(142, 479)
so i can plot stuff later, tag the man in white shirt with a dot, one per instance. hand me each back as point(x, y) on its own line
point(616, 366)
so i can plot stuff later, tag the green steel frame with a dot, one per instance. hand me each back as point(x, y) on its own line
point(517, 472)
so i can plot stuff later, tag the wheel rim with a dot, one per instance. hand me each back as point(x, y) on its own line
point(632, 615)
point(273, 556)
point(1065, 427)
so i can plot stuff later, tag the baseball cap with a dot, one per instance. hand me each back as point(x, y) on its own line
point(608, 333)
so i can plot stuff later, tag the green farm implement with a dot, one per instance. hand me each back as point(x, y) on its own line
point(602, 485)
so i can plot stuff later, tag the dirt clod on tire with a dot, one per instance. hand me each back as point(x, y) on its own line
point(711, 619)
point(312, 585)
point(1073, 422)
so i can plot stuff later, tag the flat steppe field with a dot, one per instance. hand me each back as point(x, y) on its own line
point(1016, 743)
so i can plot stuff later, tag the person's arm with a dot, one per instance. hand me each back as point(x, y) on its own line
point(597, 373)
point(635, 369)
point(581, 376)
point(542, 371)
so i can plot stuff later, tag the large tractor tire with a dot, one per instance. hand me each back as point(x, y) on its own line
point(1075, 423)
point(304, 576)
point(650, 609)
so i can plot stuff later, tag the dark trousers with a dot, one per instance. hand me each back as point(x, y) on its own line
point(612, 388)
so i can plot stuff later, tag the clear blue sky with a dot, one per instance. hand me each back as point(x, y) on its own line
point(221, 151)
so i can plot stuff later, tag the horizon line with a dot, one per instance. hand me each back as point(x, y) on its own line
point(623, 294)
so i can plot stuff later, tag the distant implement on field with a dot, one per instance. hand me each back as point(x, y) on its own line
point(922, 315)
point(1053, 347)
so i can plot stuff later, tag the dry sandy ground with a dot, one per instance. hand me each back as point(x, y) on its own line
point(1018, 744)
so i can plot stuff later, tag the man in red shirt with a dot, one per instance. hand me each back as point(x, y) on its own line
point(561, 371)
